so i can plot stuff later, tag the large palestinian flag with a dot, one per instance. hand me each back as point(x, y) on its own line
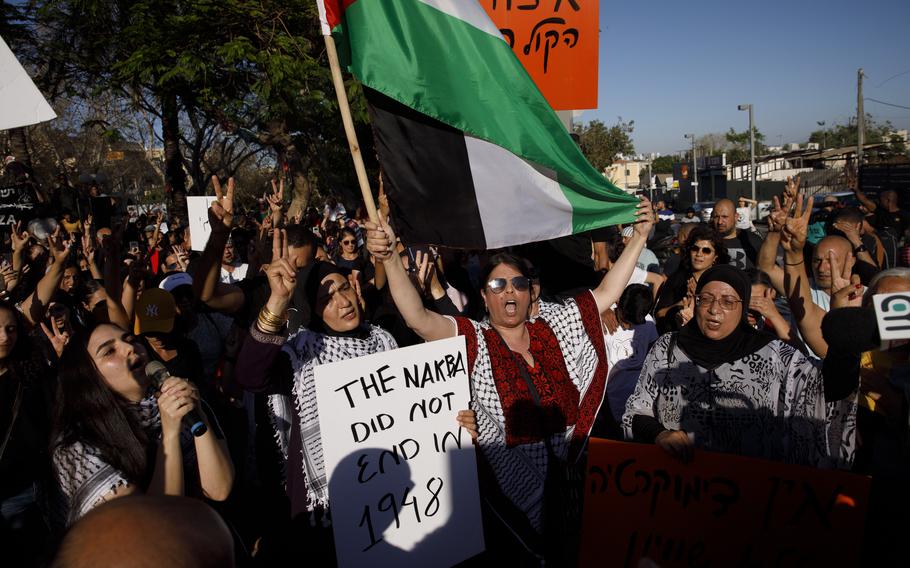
point(472, 154)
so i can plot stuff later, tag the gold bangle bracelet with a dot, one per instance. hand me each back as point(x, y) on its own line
point(271, 322)
point(268, 329)
point(269, 315)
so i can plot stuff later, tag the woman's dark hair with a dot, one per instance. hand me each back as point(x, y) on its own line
point(87, 410)
point(520, 264)
point(704, 233)
point(757, 276)
point(23, 350)
point(615, 246)
point(299, 236)
point(634, 304)
point(348, 231)
point(29, 280)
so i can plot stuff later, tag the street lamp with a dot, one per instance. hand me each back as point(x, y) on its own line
point(694, 166)
point(751, 146)
point(821, 123)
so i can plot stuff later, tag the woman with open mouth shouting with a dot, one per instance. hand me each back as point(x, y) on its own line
point(536, 387)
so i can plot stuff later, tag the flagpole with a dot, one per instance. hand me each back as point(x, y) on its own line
point(348, 121)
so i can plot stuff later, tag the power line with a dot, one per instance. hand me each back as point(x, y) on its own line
point(892, 77)
point(888, 104)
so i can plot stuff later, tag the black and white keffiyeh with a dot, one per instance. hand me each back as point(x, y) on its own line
point(308, 349)
point(769, 404)
point(85, 478)
point(521, 471)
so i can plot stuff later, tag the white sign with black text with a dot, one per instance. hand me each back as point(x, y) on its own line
point(402, 474)
point(197, 209)
point(893, 314)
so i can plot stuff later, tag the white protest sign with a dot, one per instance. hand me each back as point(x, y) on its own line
point(893, 314)
point(402, 473)
point(21, 103)
point(197, 209)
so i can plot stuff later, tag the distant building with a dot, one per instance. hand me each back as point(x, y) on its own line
point(627, 174)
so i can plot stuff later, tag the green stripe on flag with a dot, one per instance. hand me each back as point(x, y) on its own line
point(470, 80)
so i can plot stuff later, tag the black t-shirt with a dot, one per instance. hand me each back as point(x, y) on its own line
point(188, 362)
point(743, 249)
point(895, 221)
point(25, 459)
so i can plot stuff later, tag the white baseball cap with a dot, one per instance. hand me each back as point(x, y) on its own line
point(174, 280)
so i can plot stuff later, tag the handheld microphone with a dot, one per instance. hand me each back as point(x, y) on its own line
point(158, 373)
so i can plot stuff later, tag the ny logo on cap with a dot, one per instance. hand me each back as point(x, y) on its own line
point(151, 311)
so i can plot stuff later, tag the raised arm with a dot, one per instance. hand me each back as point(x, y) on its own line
point(853, 233)
point(617, 278)
point(261, 365)
point(19, 240)
point(853, 184)
point(113, 286)
point(158, 220)
point(767, 254)
point(206, 284)
point(425, 323)
point(88, 250)
point(796, 278)
point(35, 306)
point(276, 202)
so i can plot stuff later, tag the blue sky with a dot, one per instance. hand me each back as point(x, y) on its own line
point(677, 67)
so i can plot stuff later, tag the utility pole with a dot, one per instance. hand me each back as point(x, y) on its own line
point(694, 166)
point(650, 183)
point(821, 123)
point(860, 119)
point(751, 146)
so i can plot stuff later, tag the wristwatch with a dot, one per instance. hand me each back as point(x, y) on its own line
point(860, 248)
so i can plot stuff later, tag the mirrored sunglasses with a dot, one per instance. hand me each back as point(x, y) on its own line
point(520, 283)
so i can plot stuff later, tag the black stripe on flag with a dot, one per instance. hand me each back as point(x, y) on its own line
point(426, 175)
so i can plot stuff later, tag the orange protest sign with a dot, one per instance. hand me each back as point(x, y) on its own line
point(556, 41)
point(718, 510)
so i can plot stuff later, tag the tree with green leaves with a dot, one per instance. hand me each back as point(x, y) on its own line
point(253, 70)
point(601, 144)
point(846, 135)
point(664, 164)
point(739, 149)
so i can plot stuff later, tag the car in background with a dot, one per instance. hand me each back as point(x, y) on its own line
point(704, 209)
point(844, 199)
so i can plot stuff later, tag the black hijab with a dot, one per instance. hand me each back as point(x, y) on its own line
point(317, 297)
point(712, 353)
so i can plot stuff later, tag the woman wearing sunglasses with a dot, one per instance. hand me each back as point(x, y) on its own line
point(721, 385)
point(537, 384)
point(703, 249)
point(348, 254)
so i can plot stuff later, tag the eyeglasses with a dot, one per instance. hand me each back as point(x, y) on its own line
point(726, 303)
point(498, 285)
point(704, 250)
point(347, 242)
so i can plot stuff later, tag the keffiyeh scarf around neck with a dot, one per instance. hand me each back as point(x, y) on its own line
point(306, 350)
point(85, 478)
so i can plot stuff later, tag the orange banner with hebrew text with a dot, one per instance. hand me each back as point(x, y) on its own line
point(557, 42)
point(717, 510)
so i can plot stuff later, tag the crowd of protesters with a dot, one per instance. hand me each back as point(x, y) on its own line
point(686, 333)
